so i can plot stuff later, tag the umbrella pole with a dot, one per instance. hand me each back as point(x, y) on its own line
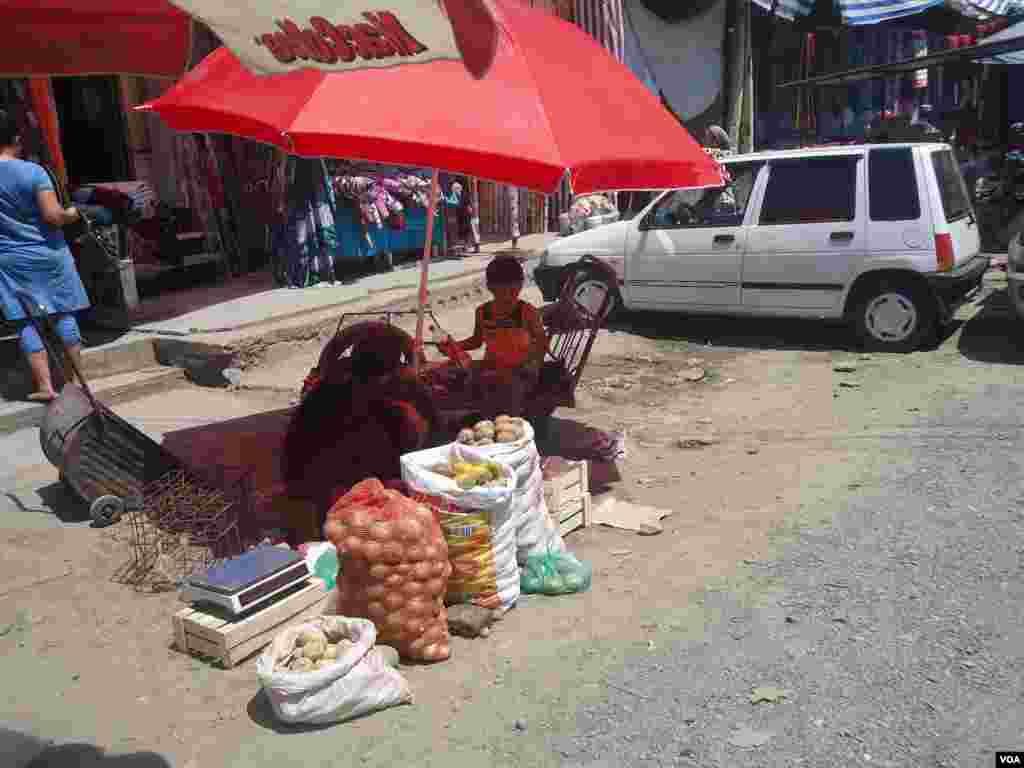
point(425, 268)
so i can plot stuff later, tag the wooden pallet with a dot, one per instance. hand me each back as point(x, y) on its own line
point(569, 486)
point(208, 631)
point(575, 514)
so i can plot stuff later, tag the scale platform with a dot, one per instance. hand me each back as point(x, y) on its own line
point(249, 581)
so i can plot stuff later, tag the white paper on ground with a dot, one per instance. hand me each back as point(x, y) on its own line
point(628, 517)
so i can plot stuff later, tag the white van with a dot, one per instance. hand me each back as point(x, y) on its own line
point(883, 236)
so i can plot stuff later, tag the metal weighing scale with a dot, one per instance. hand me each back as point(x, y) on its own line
point(249, 581)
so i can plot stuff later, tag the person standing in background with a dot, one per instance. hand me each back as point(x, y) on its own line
point(35, 258)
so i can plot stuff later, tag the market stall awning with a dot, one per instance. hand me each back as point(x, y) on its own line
point(1012, 56)
point(1008, 49)
point(865, 12)
point(43, 38)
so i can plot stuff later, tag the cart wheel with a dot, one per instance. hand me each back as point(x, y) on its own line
point(106, 510)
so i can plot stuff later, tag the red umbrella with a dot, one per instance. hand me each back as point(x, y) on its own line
point(553, 102)
point(274, 36)
point(96, 37)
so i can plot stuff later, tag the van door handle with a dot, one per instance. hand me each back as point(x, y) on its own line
point(724, 239)
point(841, 237)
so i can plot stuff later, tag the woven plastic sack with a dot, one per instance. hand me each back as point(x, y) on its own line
point(555, 573)
point(395, 568)
point(359, 683)
point(478, 525)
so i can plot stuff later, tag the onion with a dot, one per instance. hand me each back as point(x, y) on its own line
point(373, 550)
point(334, 531)
point(359, 518)
point(354, 546)
point(415, 553)
point(394, 580)
point(376, 592)
point(409, 529)
point(413, 627)
point(376, 611)
point(394, 601)
point(414, 588)
point(393, 621)
point(423, 570)
point(432, 552)
point(435, 587)
point(380, 531)
point(404, 568)
point(380, 571)
point(392, 553)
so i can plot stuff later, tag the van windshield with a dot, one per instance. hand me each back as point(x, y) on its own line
point(951, 186)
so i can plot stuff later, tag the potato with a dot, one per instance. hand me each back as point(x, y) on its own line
point(482, 433)
point(310, 635)
point(506, 436)
point(330, 653)
point(323, 664)
point(465, 436)
point(444, 470)
point(301, 664)
point(483, 425)
point(503, 418)
point(314, 650)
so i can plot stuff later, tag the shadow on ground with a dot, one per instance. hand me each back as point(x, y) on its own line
point(15, 379)
point(55, 499)
point(19, 750)
point(747, 333)
point(994, 334)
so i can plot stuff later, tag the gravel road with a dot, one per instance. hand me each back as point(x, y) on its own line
point(893, 638)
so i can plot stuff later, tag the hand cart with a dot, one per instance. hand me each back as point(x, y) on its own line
point(102, 458)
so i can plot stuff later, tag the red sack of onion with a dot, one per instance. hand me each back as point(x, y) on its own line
point(395, 568)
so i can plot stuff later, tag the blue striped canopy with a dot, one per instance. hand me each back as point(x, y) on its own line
point(861, 12)
point(998, 7)
point(1008, 35)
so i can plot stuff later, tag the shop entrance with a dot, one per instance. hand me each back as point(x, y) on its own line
point(92, 129)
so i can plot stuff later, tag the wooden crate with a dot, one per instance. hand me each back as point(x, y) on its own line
point(208, 631)
point(574, 514)
point(569, 486)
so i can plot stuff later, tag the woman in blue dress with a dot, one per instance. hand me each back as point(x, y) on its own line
point(34, 257)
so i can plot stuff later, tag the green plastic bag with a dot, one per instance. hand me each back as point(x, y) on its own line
point(326, 567)
point(554, 573)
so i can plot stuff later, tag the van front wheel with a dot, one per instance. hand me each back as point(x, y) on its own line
point(895, 318)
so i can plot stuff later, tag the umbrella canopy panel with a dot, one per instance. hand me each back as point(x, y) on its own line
point(553, 101)
point(99, 37)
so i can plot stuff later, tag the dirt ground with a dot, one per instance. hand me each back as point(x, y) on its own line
point(85, 659)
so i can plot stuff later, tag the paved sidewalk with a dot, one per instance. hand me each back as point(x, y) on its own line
point(287, 303)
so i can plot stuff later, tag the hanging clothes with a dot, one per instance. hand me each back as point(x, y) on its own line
point(604, 21)
point(306, 241)
point(684, 61)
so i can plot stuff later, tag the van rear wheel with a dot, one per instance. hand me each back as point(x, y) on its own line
point(895, 317)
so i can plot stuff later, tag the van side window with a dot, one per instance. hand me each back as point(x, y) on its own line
point(892, 185)
point(951, 186)
point(811, 191)
point(712, 207)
